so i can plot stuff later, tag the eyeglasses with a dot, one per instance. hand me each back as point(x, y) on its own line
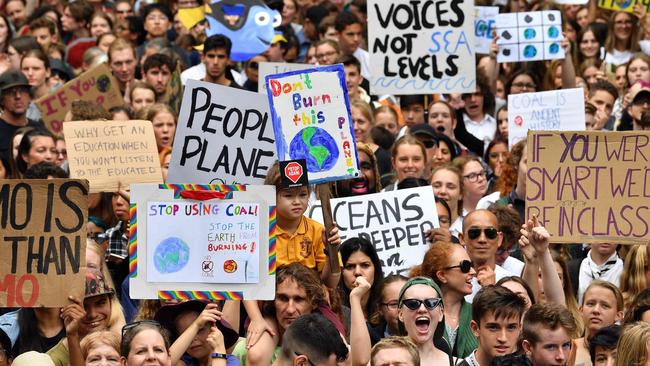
point(254, 65)
point(99, 238)
point(393, 305)
point(525, 86)
point(465, 266)
point(127, 328)
point(326, 54)
point(475, 232)
point(415, 304)
point(474, 177)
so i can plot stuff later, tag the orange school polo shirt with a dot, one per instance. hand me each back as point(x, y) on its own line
point(304, 246)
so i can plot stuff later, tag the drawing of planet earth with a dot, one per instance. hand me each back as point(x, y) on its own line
point(171, 255)
point(317, 147)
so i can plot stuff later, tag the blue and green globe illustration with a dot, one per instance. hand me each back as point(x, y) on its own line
point(171, 255)
point(317, 147)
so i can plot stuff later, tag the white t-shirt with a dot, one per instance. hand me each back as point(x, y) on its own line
point(499, 272)
point(364, 59)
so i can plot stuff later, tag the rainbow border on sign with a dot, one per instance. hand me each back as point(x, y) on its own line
point(200, 295)
point(272, 240)
point(178, 188)
point(133, 241)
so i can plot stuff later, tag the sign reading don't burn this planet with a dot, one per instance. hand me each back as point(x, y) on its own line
point(312, 121)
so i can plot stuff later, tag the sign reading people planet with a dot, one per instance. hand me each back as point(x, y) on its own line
point(312, 121)
point(220, 241)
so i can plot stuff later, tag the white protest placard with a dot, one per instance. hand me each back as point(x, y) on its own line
point(312, 121)
point(421, 47)
point(393, 221)
point(484, 26)
point(556, 110)
point(269, 68)
point(112, 154)
point(217, 249)
point(226, 232)
point(223, 136)
point(529, 36)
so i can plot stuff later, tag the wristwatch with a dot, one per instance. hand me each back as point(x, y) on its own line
point(219, 355)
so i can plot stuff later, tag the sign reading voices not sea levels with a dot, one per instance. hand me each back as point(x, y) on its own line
point(312, 121)
point(421, 47)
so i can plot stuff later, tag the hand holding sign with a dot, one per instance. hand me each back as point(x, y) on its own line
point(334, 239)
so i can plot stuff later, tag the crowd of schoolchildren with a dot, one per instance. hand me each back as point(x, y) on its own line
point(490, 290)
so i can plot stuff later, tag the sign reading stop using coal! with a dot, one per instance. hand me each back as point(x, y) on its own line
point(294, 173)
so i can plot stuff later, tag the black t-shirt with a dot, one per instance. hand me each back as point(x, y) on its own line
point(39, 344)
point(7, 134)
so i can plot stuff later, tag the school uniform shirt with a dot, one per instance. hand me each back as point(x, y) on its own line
point(483, 130)
point(609, 271)
point(305, 246)
point(500, 273)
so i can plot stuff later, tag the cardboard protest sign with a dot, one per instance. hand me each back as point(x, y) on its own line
point(269, 68)
point(484, 26)
point(95, 85)
point(562, 110)
point(394, 222)
point(590, 187)
point(42, 241)
point(627, 6)
point(530, 36)
point(112, 154)
point(421, 47)
point(226, 249)
point(223, 136)
point(312, 121)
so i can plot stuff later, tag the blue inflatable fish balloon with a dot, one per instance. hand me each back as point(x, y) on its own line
point(248, 23)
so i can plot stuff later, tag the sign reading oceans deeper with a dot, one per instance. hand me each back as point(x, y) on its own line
point(224, 136)
point(484, 25)
point(421, 46)
point(590, 187)
point(529, 36)
point(42, 241)
point(112, 154)
point(312, 121)
point(218, 242)
point(95, 85)
point(627, 5)
point(561, 110)
point(394, 222)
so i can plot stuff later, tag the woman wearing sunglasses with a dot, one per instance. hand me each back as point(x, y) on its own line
point(145, 343)
point(421, 318)
point(451, 269)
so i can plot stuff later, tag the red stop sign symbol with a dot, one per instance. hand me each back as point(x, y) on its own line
point(293, 171)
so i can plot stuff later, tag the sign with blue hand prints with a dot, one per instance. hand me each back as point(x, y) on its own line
point(421, 46)
point(312, 121)
point(529, 36)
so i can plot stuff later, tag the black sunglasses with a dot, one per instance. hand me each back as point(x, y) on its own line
point(429, 144)
point(465, 266)
point(254, 65)
point(415, 304)
point(130, 326)
point(475, 232)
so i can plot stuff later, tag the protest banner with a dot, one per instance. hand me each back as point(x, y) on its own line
point(112, 154)
point(484, 27)
point(529, 36)
point(312, 121)
point(590, 187)
point(225, 249)
point(269, 68)
point(43, 239)
point(223, 136)
point(394, 222)
point(626, 6)
point(96, 85)
point(421, 47)
point(561, 110)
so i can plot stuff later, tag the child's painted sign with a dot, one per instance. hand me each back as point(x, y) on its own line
point(312, 121)
point(530, 36)
point(219, 242)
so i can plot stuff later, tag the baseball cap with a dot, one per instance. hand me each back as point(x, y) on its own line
point(638, 88)
point(96, 284)
point(424, 129)
point(12, 78)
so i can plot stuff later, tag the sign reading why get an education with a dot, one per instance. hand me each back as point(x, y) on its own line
point(421, 46)
point(96, 85)
point(312, 121)
point(394, 222)
point(224, 136)
point(219, 243)
point(561, 110)
point(590, 187)
point(112, 154)
point(42, 241)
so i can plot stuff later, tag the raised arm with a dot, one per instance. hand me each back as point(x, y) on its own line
point(359, 337)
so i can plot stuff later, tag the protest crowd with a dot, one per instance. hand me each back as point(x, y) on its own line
point(459, 241)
